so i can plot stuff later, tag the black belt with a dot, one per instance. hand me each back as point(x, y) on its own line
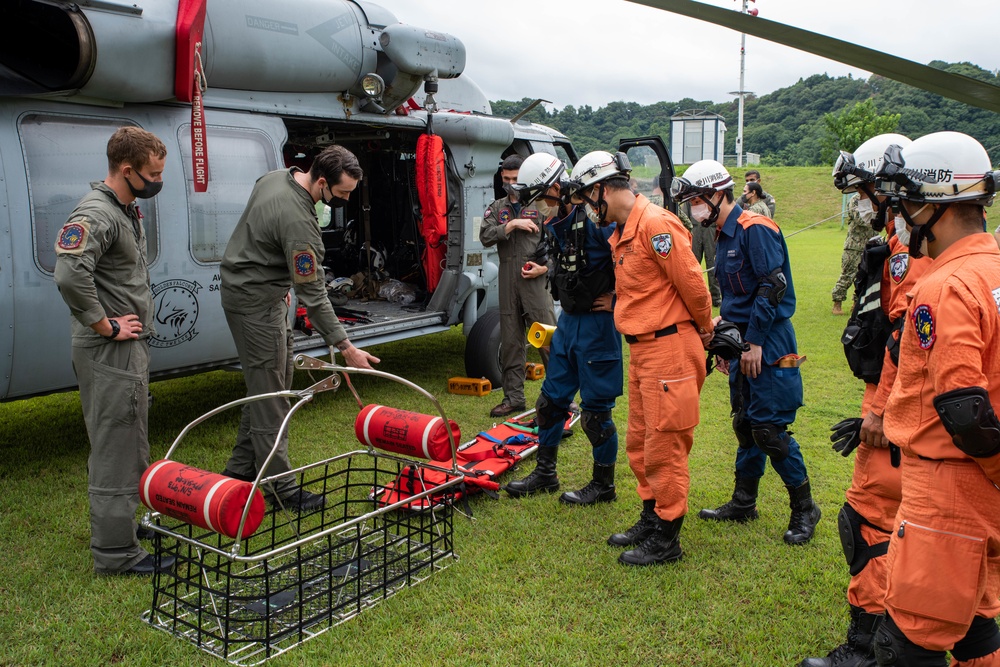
point(665, 331)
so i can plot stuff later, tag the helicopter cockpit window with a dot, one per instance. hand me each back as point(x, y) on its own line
point(236, 159)
point(63, 155)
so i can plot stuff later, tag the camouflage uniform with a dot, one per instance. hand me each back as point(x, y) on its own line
point(101, 271)
point(703, 245)
point(276, 245)
point(858, 233)
point(765, 197)
point(522, 301)
point(760, 208)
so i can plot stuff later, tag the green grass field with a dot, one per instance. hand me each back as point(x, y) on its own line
point(535, 583)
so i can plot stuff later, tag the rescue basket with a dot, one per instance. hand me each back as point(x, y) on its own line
point(248, 599)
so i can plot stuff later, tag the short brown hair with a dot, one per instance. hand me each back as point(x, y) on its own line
point(333, 162)
point(133, 145)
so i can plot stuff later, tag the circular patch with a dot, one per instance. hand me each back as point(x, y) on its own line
point(305, 264)
point(71, 236)
point(505, 216)
point(923, 322)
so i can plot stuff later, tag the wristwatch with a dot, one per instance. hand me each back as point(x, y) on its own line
point(115, 329)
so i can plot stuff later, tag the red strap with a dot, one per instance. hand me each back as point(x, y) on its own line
point(189, 82)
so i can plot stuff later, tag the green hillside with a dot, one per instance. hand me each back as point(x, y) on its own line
point(785, 127)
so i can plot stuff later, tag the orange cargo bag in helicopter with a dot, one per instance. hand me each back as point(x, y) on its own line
point(202, 498)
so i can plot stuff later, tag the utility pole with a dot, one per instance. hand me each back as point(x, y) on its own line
point(742, 92)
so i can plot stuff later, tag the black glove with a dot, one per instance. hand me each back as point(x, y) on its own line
point(846, 435)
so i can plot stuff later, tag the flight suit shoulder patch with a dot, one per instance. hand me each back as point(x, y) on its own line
point(73, 237)
point(304, 265)
point(488, 212)
point(899, 264)
point(923, 322)
point(662, 244)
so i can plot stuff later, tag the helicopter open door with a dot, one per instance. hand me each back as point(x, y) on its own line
point(652, 169)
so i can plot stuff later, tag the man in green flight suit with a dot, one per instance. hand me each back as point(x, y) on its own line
point(277, 246)
point(103, 276)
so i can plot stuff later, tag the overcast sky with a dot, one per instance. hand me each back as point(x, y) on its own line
point(597, 51)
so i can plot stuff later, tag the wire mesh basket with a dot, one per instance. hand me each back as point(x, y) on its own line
point(300, 574)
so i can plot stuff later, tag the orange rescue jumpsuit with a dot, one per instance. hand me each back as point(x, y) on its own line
point(662, 305)
point(876, 486)
point(943, 565)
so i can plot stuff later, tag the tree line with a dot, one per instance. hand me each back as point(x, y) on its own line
point(803, 124)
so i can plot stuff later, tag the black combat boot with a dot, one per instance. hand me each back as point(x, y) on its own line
point(742, 507)
point(601, 489)
point(859, 649)
point(805, 514)
point(663, 545)
point(638, 533)
point(542, 478)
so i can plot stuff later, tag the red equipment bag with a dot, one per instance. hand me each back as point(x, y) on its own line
point(483, 460)
point(432, 191)
point(202, 498)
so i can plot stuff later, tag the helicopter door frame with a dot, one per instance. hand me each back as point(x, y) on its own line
point(6, 291)
point(657, 145)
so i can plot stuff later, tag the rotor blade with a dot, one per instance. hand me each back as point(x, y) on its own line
point(954, 86)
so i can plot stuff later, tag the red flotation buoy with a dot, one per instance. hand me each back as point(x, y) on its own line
point(405, 432)
point(200, 497)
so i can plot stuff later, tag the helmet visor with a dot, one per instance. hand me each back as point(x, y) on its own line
point(682, 190)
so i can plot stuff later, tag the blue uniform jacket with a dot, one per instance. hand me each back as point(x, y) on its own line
point(748, 249)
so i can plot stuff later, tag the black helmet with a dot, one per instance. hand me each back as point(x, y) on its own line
point(727, 342)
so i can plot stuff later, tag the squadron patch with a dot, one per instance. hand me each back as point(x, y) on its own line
point(305, 266)
point(662, 243)
point(505, 216)
point(487, 213)
point(923, 322)
point(73, 237)
point(899, 264)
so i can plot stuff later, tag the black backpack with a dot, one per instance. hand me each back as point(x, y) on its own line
point(868, 328)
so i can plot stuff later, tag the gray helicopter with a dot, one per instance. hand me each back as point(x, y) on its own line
point(236, 88)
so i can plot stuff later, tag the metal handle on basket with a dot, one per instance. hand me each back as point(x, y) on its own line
point(306, 362)
point(302, 397)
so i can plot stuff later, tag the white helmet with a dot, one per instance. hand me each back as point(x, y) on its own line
point(598, 166)
point(702, 179)
point(939, 168)
point(537, 174)
point(858, 167)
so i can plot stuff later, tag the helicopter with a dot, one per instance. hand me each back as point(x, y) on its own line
point(237, 88)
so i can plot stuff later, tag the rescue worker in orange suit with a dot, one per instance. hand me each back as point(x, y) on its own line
point(866, 519)
point(516, 231)
point(586, 348)
point(943, 565)
point(765, 390)
point(664, 310)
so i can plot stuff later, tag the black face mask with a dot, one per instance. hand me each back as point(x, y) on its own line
point(148, 190)
point(334, 201)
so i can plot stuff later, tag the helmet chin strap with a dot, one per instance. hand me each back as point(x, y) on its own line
point(881, 209)
point(710, 220)
point(601, 206)
point(920, 232)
